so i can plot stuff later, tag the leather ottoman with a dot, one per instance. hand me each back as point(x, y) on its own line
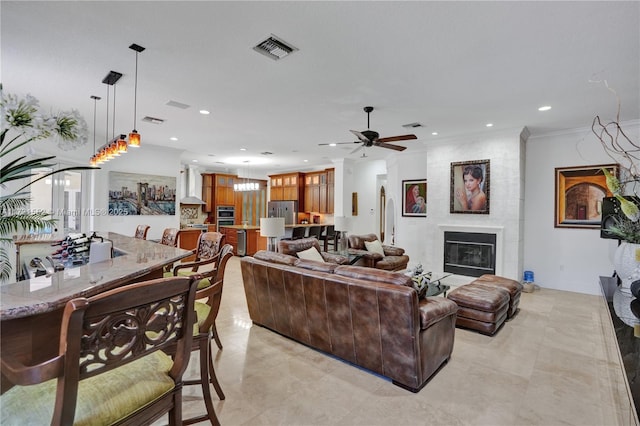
point(481, 308)
point(513, 287)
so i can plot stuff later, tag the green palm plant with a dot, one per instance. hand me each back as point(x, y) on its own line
point(21, 124)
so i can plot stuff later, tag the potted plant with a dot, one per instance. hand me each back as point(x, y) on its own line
point(619, 146)
point(23, 124)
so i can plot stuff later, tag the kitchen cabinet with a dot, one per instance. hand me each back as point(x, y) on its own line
point(331, 173)
point(288, 187)
point(253, 241)
point(207, 193)
point(231, 237)
point(313, 200)
point(188, 240)
point(224, 193)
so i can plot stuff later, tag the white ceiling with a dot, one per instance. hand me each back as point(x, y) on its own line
point(452, 66)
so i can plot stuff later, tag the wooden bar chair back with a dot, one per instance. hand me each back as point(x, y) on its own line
point(170, 237)
point(111, 349)
point(141, 232)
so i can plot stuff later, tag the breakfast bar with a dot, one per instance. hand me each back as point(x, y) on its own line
point(31, 310)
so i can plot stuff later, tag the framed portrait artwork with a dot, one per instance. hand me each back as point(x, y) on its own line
point(470, 187)
point(579, 193)
point(414, 198)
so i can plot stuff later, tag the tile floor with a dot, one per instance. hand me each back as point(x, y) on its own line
point(555, 363)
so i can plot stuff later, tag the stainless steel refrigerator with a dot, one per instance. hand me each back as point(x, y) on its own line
point(286, 209)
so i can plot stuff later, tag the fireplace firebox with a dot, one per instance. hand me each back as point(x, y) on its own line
point(469, 253)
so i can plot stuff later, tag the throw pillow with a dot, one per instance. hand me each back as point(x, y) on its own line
point(374, 246)
point(311, 253)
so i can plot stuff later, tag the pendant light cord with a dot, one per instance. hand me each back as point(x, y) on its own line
point(135, 95)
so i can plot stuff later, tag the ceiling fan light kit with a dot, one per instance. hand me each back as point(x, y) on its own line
point(370, 138)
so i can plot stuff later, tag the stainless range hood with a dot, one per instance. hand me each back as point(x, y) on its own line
point(190, 186)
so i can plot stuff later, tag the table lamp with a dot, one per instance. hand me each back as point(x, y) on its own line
point(272, 228)
point(341, 223)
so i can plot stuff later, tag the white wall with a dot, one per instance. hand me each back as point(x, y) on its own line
point(153, 161)
point(563, 258)
point(360, 177)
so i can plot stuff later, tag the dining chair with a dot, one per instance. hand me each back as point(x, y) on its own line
point(141, 232)
point(207, 306)
point(110, 368)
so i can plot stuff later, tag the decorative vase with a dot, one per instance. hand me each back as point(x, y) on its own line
point(627, 263)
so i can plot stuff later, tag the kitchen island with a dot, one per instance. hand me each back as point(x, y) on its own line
point(246, 239)
point(31, 310)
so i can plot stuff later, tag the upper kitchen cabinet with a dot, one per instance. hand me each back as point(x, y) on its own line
point(217, 190)
point(225, 195)
point(207, 193)
point(319, 191)
point(331, 173)
point(288, 187)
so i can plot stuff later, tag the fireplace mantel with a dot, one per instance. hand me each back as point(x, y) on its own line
point(497, 230)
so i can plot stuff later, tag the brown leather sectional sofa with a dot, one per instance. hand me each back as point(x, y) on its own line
point(368, 317)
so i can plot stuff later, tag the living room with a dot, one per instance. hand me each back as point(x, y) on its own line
point(598, 38)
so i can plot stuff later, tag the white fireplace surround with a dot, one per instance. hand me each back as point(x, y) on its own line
point(497, 230)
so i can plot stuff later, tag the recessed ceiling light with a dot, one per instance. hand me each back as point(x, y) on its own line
point(332, 144)
point(243, 149)
point(544, 108)
point(173, 138)
point(306, 161)
point(434, 133)
point(194, 161)
point(204, 112)
point(489, 124)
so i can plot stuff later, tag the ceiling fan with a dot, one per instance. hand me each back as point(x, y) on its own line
point(371, 138)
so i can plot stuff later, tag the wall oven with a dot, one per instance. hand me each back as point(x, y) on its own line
point(225, 216)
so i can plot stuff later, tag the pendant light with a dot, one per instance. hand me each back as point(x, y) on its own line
point(93, 161)
point(134, 136)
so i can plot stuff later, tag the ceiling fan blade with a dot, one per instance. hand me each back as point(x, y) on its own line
point(357, 149)
point(388, 145)
point(339, 143)
point(398, 138)
point(360, 136)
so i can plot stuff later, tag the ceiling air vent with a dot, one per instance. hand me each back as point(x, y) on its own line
point(266, 153)
point(177, 104)
point(412, 125)
point(153, 120)
point(274, 48)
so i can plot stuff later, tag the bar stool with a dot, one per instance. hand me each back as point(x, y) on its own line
point(315, 231)
point(141, 232)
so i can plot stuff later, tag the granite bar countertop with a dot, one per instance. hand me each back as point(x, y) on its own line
point(302, 225)
point(44, 294)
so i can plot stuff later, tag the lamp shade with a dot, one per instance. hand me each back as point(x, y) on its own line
point(271, 226)
point(341, 223)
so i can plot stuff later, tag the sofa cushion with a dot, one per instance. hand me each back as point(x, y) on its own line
point(311, 253)
point(273, 257)
point(316, 266)
point(374, 246)
point(372, 274)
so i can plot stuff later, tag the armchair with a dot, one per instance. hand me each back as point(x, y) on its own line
point(291, 247)
point(393, 259)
